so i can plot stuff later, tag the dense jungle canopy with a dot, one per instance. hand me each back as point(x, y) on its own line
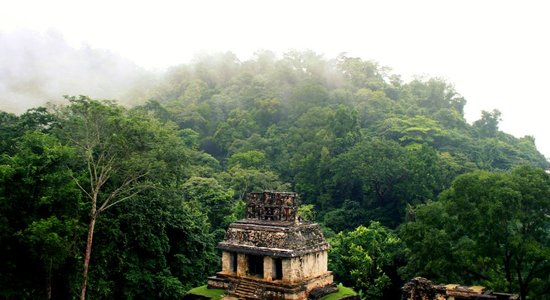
point(402, 184)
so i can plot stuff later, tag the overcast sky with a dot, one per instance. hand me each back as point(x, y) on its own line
point(496, 53)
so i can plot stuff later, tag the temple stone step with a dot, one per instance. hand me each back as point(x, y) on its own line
point(242, 292)
point(246, 290)
point(246, 296)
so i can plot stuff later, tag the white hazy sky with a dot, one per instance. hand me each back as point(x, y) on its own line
point(496, 53)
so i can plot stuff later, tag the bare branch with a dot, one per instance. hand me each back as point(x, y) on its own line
point(90, 170)
point(80, 187)
point(102, 208)
point(124, 187)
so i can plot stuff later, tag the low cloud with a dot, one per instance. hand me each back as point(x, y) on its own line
point(37, 68)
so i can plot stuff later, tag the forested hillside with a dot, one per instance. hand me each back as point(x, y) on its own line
point(401, 183)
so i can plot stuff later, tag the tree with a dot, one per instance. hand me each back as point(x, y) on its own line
point(383, 177)
point(307, 96)
point(487, 126)
point(119, 151)
point(253, 159)
point(246, 180)
point(488, 228)
point(433, 95)
point(216, 201)
point(367, 259)
point(157, 246)
point(362, 74)
point(350, 215)
point(372, 106)
point(416, 130)
point(39, 219)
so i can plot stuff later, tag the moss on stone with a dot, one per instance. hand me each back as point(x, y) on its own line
point(204, 291)
point(343, 292)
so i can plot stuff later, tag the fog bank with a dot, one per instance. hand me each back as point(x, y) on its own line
point(41, 67)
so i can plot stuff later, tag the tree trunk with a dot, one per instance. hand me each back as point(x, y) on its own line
point(88, 253)
point(49, 288)
point(524, 288)
point(523, 293)
point(508, 271)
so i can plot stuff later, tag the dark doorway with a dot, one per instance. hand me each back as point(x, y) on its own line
point(233, 262)
point(277, 269)
point(256, 265)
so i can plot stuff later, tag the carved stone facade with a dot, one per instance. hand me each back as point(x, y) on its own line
point(270, 206)
point(271, 254)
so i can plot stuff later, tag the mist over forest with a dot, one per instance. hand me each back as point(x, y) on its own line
point(155, 167)
point(36, 68)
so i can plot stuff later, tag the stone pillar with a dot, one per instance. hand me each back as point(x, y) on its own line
point(322, 262)
point(268, 268)
point(325, 261)
point(226, 262)
point(287, 269)
point(242, 264)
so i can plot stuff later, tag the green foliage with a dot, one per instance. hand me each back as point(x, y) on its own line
point(488, 228)
point(354, 140)
point(341, 293)
point(487, 126)
point(347, 217)
point(244, 181)
point(382, 177)
point(215, 201)
point(214, 294)
point(433, 95)
point(307, 212)
point(253, 159)
point(366, 258)
point(148, 246)
point(154, 247)
point(39, 218)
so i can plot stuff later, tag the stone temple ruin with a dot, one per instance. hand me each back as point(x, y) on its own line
point(271, 254)
point(420, 288)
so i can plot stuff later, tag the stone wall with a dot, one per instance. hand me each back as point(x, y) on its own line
point(309, 265)
point(293, 269)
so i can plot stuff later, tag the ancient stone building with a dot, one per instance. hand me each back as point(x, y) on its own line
point(420, 288)
point(272, 254)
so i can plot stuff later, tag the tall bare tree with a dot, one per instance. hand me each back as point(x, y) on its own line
point(118, 151)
